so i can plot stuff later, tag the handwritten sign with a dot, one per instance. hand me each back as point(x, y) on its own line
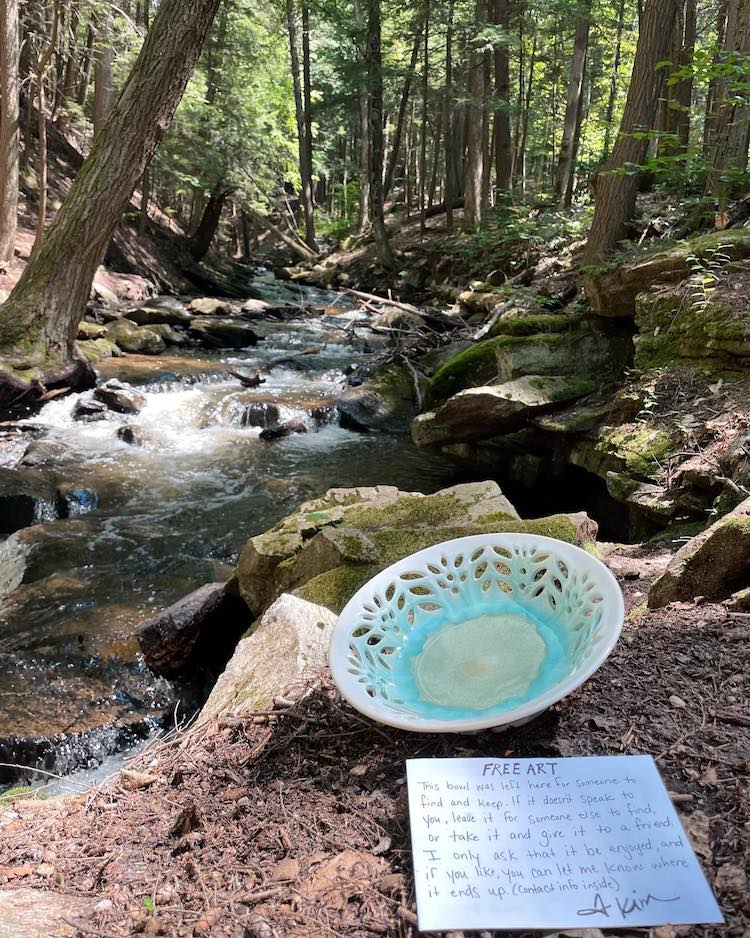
point(550, 843)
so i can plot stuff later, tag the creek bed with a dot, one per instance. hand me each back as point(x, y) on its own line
point(153, 521)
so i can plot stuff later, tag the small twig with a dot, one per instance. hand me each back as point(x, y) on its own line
point(260, 895)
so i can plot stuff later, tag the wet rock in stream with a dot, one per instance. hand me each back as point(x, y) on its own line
point(119, 397)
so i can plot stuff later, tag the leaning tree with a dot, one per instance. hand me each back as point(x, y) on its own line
point(39, 320)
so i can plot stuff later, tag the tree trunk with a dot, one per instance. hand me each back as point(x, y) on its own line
point(41, 104)
point(204, 233)
point(610, 115)
point(305, 168)
point(375, 71)
point(503, 156)
point(423, 140)
point(678, 92)
point(403, 103)
point(474, 163)
point(450, 126)
point(729, 150)
point(709, 122)
point(145, 199)
point(39, 321)
point(10, 137)
point(571, 123)
point(365, 190)
point(88, 58)
point(70, 75)
point(104, 56)
point(616, 191)
point(521, 168)
point(308, 198)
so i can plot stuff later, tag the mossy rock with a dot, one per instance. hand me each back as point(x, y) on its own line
point(334, 588)
point(640, 448)
point(675, 324)
point(385, 402)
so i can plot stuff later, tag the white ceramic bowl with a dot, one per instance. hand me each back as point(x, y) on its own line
point(385, 625)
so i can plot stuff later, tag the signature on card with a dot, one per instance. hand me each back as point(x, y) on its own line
point(625, 906)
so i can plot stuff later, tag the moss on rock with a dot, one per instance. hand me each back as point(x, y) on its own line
point(642, 449)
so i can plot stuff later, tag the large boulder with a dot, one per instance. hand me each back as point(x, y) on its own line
point(591, 353)
point(483, 412)
point(135, 339)
point(714, 564)
point(91, 330)
point(385, 402)
point(223, 333)
point(172, 315)
point(120, 397)
point(612, 289)
point(170, 335)
point(193, 630)
point(333, 544)
point(95, 349)
point(289, 640)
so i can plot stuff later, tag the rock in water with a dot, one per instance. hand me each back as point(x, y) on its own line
point(714, 564)
point(223, 333)
point(295, 425)
point(120, 397)
point(149, 315)
point(290, 639)
point(130, 435)
point(261, 414)
point(385, 402)
point(87, 411)
point(198, 630)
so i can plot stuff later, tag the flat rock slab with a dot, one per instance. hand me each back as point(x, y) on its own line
point(35, 913)
point(483, 412)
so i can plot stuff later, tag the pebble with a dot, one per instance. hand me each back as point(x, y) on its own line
point(678, 702)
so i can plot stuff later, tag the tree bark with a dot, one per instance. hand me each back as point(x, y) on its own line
point(41, 104)
point(10, 137)
point(474, 151)
point(365, 190)
point(88, 59)
point(39, 321)
point(616, 187)
point(375, 72)
point(571, 122)
point(204, 233)
point(308, 196)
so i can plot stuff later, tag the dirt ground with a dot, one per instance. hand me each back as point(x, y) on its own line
point(294, 823)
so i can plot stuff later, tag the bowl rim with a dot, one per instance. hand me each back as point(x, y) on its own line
point(338, 650)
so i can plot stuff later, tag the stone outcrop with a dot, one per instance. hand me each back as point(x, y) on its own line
point(478, 413)
point(613, 290)
point(289, 640)
point(714, 564)
point(334, 544)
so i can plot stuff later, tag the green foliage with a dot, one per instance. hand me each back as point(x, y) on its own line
point(706, 270)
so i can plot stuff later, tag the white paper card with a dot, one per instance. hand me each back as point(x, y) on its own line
point(550, 843)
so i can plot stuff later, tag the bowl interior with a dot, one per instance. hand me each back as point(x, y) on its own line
point(475, 632)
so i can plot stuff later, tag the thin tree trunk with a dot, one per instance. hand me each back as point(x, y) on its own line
point(571, 123)
point(423, 140)
point(375, 71)
point(365, 185)
point(503, 155)
point(302, 126)
point(104, 57)
point(486, 136)
point(527, 113)
point(610, 115)
point(145, 199)
point(88, 60)
point(436, 141)
point(39, 321)
point(709, 122)
point(685, 87)
point(450, 127)
point(616, 191)
point(308, 199)
point(70, 76)
point(403, 103)
point(474, 163)
point(10, 137)
point(41, 99)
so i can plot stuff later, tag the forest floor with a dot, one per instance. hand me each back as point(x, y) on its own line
point(294, 823)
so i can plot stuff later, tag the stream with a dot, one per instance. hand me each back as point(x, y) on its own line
point(150, 522)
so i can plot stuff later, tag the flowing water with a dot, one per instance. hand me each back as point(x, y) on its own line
point(151, 522)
